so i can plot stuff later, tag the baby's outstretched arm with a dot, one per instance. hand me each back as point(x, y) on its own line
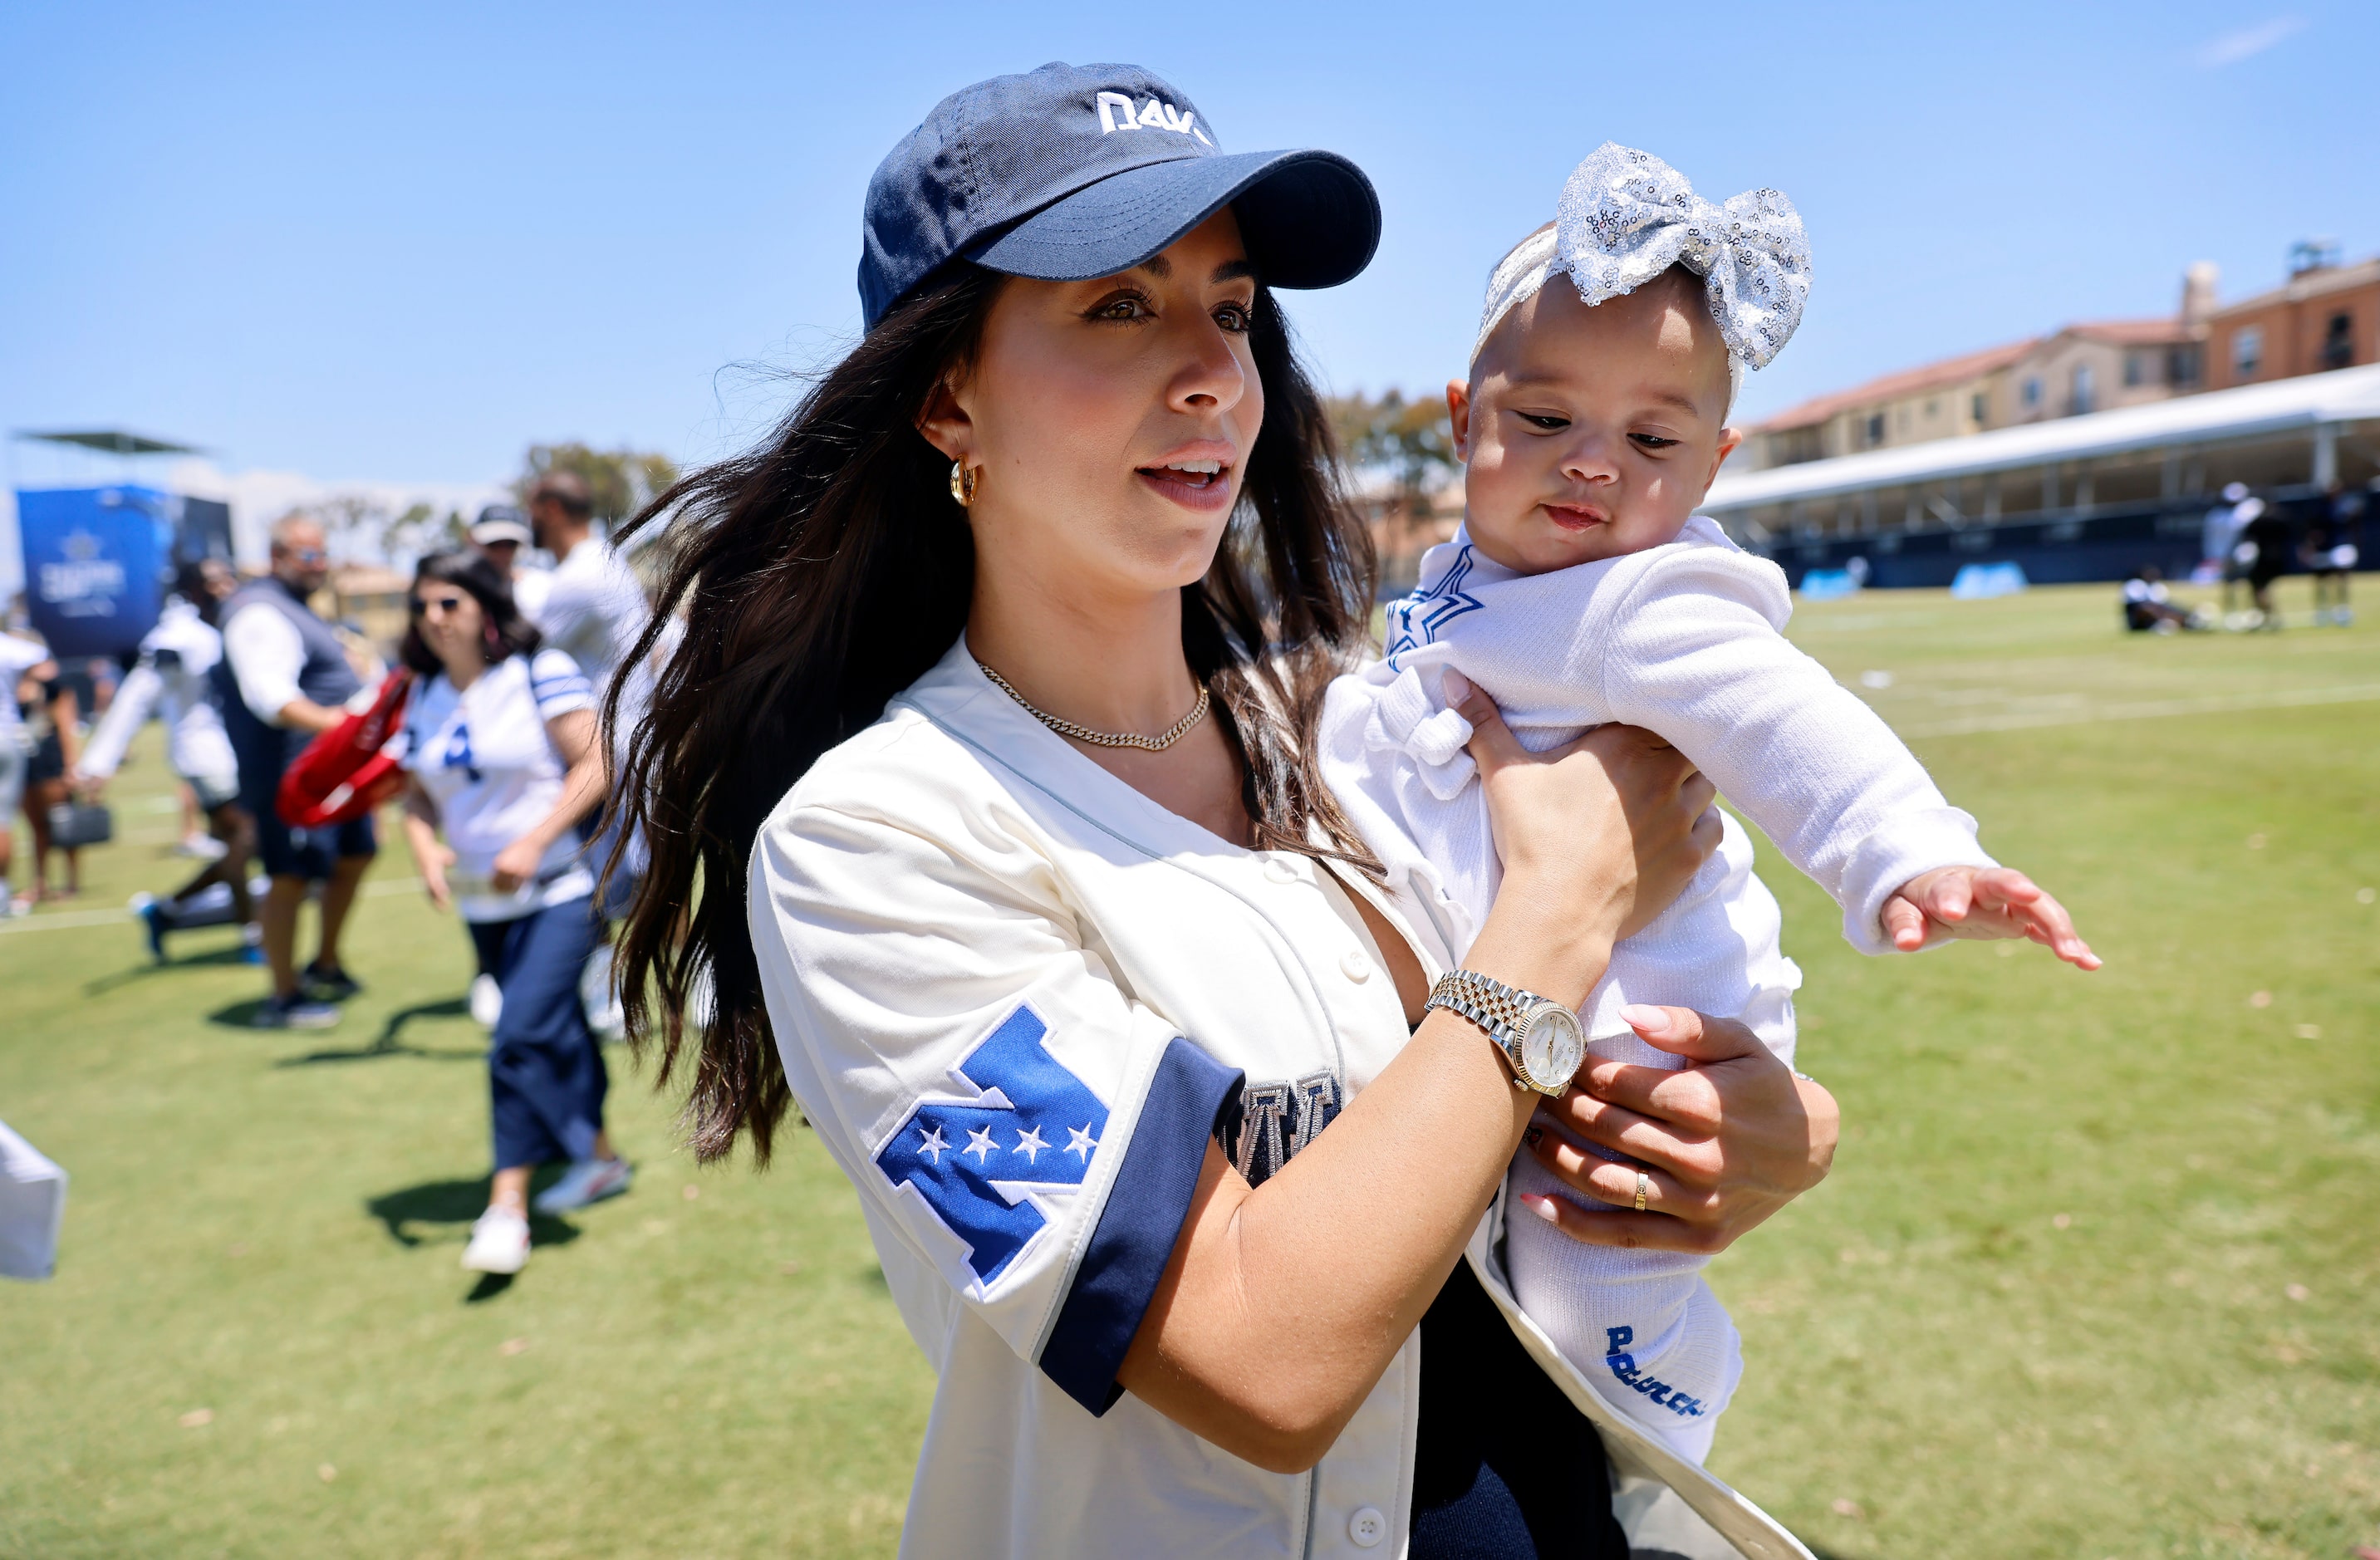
point(1984, 903)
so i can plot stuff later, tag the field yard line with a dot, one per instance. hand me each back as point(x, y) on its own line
point(2212, 704)
point(61, 922)
point(68, 920)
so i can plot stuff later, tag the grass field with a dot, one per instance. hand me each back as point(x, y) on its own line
point(2097, 1273)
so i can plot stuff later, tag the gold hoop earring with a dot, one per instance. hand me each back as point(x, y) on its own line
point(962, 480)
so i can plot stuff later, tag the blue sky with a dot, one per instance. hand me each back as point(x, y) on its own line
point(400, 243)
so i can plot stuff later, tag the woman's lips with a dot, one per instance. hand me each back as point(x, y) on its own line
point(1191, 490)
point(1581, 517)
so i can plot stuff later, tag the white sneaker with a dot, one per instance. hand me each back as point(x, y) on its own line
point(487, 1001)
point(588, 1181)
point(499, 1242)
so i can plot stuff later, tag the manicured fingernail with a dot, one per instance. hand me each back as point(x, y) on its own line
point(1534, 1136)
point(1645, 1020)
point(1541, 1205)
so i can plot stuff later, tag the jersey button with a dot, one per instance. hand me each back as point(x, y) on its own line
point(1354, 966)
point(1368, 1527)
point(1278, 870)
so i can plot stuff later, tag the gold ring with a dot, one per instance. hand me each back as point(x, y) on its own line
point(1644, 1183)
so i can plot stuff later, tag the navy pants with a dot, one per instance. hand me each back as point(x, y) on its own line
point(546, 1079)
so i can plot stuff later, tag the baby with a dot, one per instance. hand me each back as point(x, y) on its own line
point(1582, 589)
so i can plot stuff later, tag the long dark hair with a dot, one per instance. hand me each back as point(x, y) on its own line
point(506, 632)
point(826, 570)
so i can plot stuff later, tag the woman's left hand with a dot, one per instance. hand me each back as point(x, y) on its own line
point(1727, 1140)
point(516, 864)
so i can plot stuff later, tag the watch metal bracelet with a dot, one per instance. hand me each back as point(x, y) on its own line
point(1490, 1004)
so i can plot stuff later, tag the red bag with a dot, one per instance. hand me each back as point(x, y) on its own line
point(352, 768)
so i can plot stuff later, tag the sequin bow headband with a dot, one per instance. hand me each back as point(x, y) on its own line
point(1626, 216)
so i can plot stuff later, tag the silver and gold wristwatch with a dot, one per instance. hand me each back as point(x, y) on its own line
point(1539, 1036)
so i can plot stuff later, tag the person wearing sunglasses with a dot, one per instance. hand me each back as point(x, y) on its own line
point(284, 679)
point(502, 744)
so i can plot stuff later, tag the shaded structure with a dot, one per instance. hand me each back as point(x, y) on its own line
point(2080, 498)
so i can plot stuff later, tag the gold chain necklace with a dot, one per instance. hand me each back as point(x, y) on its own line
point(1157, 743)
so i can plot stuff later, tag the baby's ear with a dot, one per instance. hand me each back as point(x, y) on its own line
point(1458, 413)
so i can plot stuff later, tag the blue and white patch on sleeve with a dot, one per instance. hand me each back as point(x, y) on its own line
point(1413, 620)
point(975, 1161)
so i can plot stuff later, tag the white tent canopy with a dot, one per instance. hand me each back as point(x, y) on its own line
point(2304, 405)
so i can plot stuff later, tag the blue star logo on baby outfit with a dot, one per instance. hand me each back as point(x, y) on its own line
point(1416, 620)
point(979, 1186)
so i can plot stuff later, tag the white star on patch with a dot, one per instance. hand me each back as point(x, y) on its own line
point(1080, 1142)
point(1030, 1145)
point(936, 1145)
point(979, 1143)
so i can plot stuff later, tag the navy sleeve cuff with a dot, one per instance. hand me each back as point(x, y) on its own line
point(1139, 1225)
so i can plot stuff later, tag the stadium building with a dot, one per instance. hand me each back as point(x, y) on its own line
point(2089, 497)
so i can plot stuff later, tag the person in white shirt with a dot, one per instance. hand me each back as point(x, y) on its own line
point(284, 679)
point(20, 660)
point(174, 677)
point(593, 605)
point(500, 740)
point(983, 828)
point(1582, 590)
point(2217, 532)
point(595, 608)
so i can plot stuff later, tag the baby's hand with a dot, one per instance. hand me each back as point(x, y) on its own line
point(1985, 904)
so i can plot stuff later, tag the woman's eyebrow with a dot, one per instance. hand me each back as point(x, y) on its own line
point(1230, 271)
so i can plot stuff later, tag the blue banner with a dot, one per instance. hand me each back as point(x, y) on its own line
point(93, 561)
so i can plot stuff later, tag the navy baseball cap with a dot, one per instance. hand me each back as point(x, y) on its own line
point(1074, 171)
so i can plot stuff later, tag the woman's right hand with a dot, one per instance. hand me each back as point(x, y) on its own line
point(433, 864)
point(1596, 837)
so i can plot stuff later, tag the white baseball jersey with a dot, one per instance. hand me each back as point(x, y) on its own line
point(1016, 1000)
point(487, 761)
point(172, 676)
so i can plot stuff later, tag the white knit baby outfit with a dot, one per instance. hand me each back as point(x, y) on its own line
point(1683, 639)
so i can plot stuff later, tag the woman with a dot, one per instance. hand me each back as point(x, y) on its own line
point(65, 696)
point(500, 739)
point(1070, 961)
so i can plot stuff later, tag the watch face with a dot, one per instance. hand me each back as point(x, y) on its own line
point(1552, 1046)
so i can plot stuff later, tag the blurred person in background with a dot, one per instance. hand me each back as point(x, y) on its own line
point(174, 675)
point(2262, 556)
point(20, 659)
point(501, 743)
point(502, 535)
point(2332, 547)
point(282, 681)
point(62, 695)
point(2216, 534)
point(595, 609)
point(2148, 606)
point(2239, 557)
